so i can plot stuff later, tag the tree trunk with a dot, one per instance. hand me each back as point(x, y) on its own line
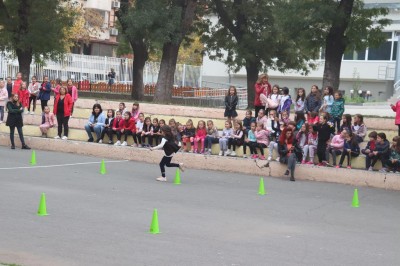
point(165, 80)
point(141, 55)
point(24, 61)
point(336, 42)
point(252, 76)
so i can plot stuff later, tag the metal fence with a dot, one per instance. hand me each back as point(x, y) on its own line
point(96, 68)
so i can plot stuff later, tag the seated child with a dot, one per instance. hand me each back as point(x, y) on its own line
point(250, 141)
point(48, 121)
point(223, 141)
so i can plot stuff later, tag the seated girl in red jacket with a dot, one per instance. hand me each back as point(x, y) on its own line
point(200, 136)
point(116, 127)
point(128, 128)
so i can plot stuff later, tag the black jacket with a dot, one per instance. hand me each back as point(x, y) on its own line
point(14, 118)
point(283, 151)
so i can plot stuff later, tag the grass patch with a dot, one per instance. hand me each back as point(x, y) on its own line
point(8, 264)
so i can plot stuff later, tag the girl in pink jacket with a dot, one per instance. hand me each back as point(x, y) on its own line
point(3, 99)
point(200, 136)
point(396, 108)
point(262, 137)
point(48, 121)
point(336, 146)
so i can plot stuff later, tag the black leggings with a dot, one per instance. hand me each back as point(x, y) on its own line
point(346, 154)
point(108, 131)
point(321, 151)
point(149, 139)
point(166, 161)
point(249, 144)
point(32, 98)
point(261, 146)
point(137, 138)
point(21, 135)
point(43, 104)
point(398, 131)
point(234, 142)
point(126, 133)
point(62, 121)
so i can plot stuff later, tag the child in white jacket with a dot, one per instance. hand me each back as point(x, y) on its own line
point(3, 99)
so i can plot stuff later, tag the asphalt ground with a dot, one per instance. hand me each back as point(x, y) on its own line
point(212, 218)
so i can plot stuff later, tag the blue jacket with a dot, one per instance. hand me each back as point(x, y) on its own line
point(355, 149)
point(101, 119)
point(45, 93)
point(251, 136)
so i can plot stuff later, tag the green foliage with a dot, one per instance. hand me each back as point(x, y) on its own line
point(253, 31)
point(34, 26)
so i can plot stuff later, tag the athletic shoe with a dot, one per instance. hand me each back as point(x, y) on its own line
point(90, 140)
point(262, 157)
point(269, 158)
point(124, 143)
point(110, 142)
point(277, 159)
point(228, 152)
point(57, 137)
point(32, 113)
point(286, 172)
point(25, 147)
point(233, 153)
point(320, 164)
point(310, 162)
point(383, 170)
point(254, 156)
point(26, 113)
point(221, 153)
point(244, 156)
point(337, 166)
point(349, 167)
point(303, 162)
point(370, 168)
point(100, 141)
point(139, 145)
point(182, 167)
point(64, 138)
point(292, 179)
point(161, 179)
point(13, 147)
point(118, 143)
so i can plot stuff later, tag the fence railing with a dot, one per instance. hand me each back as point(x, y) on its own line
point(96, 68)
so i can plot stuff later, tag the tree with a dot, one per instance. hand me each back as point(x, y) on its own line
point(249, 34)
point(33, 29)
point(180, 17)
point(344, 25)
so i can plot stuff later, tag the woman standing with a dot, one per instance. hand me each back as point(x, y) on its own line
point(73, 92)
point(62, 110)
point(33, 89)
point(14, 120)
point(262, 86)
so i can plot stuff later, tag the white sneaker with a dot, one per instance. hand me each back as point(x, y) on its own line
point(277, 159)
point(1, 122)
point(32, 113)
point(26, 113)
point(221, 153)
point(161, 179)
point(269, 158)
point(64, 138)
point(124, 143)
point(101, 141)
point(182, 167)
point(57, 137)
point(244, 156)
point(233, 153)
point(370, 168)
point(228, 152)
point(118, 143)
point(139, 145)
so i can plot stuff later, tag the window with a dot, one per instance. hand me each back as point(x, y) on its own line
point(354, 55)
point(381, 53)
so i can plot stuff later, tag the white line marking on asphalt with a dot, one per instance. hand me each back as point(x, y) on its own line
point(59, 165)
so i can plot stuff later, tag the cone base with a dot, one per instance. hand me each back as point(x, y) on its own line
point(42, 214)
point(154, 233)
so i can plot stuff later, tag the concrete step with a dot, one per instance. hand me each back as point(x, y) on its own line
point(81, 135)
point(355, 178)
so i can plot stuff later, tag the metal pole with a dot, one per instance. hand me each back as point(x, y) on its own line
point(183, 75)
point(397, 73)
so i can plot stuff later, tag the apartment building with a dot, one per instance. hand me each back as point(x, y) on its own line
point(105, 42)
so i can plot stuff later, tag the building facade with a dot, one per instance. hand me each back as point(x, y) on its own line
point(105, 43)
point(370, 72)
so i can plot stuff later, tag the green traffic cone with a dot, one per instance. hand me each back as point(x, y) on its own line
point(355, 203)
point(33, 158)
point(177, 180)
point(103, 167)
point(42, 211)
point(261, 188)
point(154, 223)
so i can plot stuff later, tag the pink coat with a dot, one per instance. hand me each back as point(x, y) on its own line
point(262, 136)
point(337, 142)
point(396, 108)
point(201, 133)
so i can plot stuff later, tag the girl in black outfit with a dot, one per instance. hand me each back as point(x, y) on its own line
point(324, 134)
point(108, 127)
point(14, 120)
point(170, 147)
point(231, 100)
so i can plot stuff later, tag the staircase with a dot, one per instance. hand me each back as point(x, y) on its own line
point(396, 93)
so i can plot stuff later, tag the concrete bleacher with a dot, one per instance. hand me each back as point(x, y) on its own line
point(83, 107)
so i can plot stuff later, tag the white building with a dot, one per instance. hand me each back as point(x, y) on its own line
point(372, 70)
point(106, 42)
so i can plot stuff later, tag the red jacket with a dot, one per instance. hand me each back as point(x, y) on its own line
point(396, 108)
point(129, 125)
point(259, 87)
point(24, 97)
point(67, 105)
point(118, 124)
